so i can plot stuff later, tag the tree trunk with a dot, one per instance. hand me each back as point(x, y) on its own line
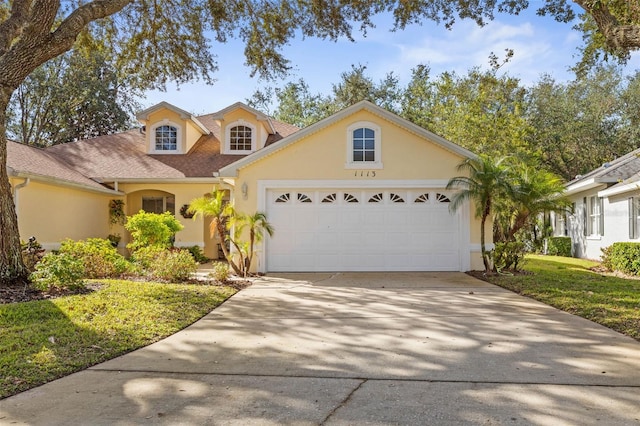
point(12, 268)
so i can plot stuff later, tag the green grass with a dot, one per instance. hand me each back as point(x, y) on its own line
point(568, 284)
point(44, 340)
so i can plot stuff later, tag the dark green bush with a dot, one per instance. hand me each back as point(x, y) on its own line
point(198, 254)
point(559, 246)
point(509, 255)
point(61, 271)
point(622, 257)
point(99, 257)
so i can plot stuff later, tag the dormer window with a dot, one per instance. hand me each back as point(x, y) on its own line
point(364, 146)
point(166, 138)
point(240, 138)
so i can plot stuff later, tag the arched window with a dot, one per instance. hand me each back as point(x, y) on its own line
point(240, 138)
point(364, 146)
point(166, 138)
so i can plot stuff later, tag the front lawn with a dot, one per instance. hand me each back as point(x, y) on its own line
point(47, 339)
point(568, 284)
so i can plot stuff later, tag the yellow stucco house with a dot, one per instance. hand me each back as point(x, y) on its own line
point(362, 190)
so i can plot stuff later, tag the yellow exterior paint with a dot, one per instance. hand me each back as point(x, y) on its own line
point(53, 213)
point(233, 117)
point(194, 232)
point(323, 156)
point(189, 132)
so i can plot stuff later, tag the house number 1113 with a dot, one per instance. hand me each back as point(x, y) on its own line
point(365, 173)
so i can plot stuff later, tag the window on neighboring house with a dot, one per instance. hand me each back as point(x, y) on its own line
point(166, 138)
point(240, 138)
point(159, 204)
point(634, 218)
point(596, 216)
point(363, 147)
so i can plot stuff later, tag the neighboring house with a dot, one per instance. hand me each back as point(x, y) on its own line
point(363, 190)
point(605, 209)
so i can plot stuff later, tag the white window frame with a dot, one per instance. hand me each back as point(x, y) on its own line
point(152, 138)
point(364, 165)
point(595, 216)
point(634, 217)
point(227, 138)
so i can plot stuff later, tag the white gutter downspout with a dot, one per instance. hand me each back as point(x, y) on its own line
point(15, 192)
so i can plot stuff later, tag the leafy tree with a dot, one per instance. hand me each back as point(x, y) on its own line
point(481, 111)
point(75, 96)
point(577, 126)
point(485, 182)
point(165, 40)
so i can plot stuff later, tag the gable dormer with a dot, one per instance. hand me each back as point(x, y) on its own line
point(243, 130)
point(169, 129)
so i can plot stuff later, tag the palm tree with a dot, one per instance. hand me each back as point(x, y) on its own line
point(214, 206)
point(487, 180)
point(257, 225)
point(534, 192)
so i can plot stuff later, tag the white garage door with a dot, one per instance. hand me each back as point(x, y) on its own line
point(362, 230)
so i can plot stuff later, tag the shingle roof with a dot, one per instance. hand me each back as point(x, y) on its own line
point(614, 171)
point(123, 155)
point(33, 162)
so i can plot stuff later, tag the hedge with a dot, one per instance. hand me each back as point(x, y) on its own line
point(623, 257)
point(559, 246)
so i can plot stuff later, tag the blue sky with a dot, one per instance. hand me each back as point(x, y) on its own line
point(540, 45)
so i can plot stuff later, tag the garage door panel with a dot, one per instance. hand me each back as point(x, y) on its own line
point(384, 235)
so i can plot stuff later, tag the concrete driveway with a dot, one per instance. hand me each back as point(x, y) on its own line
point(359, 348)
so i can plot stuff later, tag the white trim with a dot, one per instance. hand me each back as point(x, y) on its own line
point(377, 164)
point(227, 138)
point(620, 189)
point(152, 138)
point(582, 186)
point(62, 182)
point(231, 170)
point(465, 246)
point(185, 115)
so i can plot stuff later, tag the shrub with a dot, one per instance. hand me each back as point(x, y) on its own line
point(62, 271)
point(145, 256)
point(623, 257)
point(32, 253)
point(559, 246)
point(220, 272)
point(173, 265)
point(99, 257)
point(198, 254)
point(509, 255)
point(152, 229)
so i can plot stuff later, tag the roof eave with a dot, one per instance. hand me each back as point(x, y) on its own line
point(64, 182)
point(231, 170)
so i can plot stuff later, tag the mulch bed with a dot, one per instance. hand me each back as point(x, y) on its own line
point(26, 293)
point(22, 293)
